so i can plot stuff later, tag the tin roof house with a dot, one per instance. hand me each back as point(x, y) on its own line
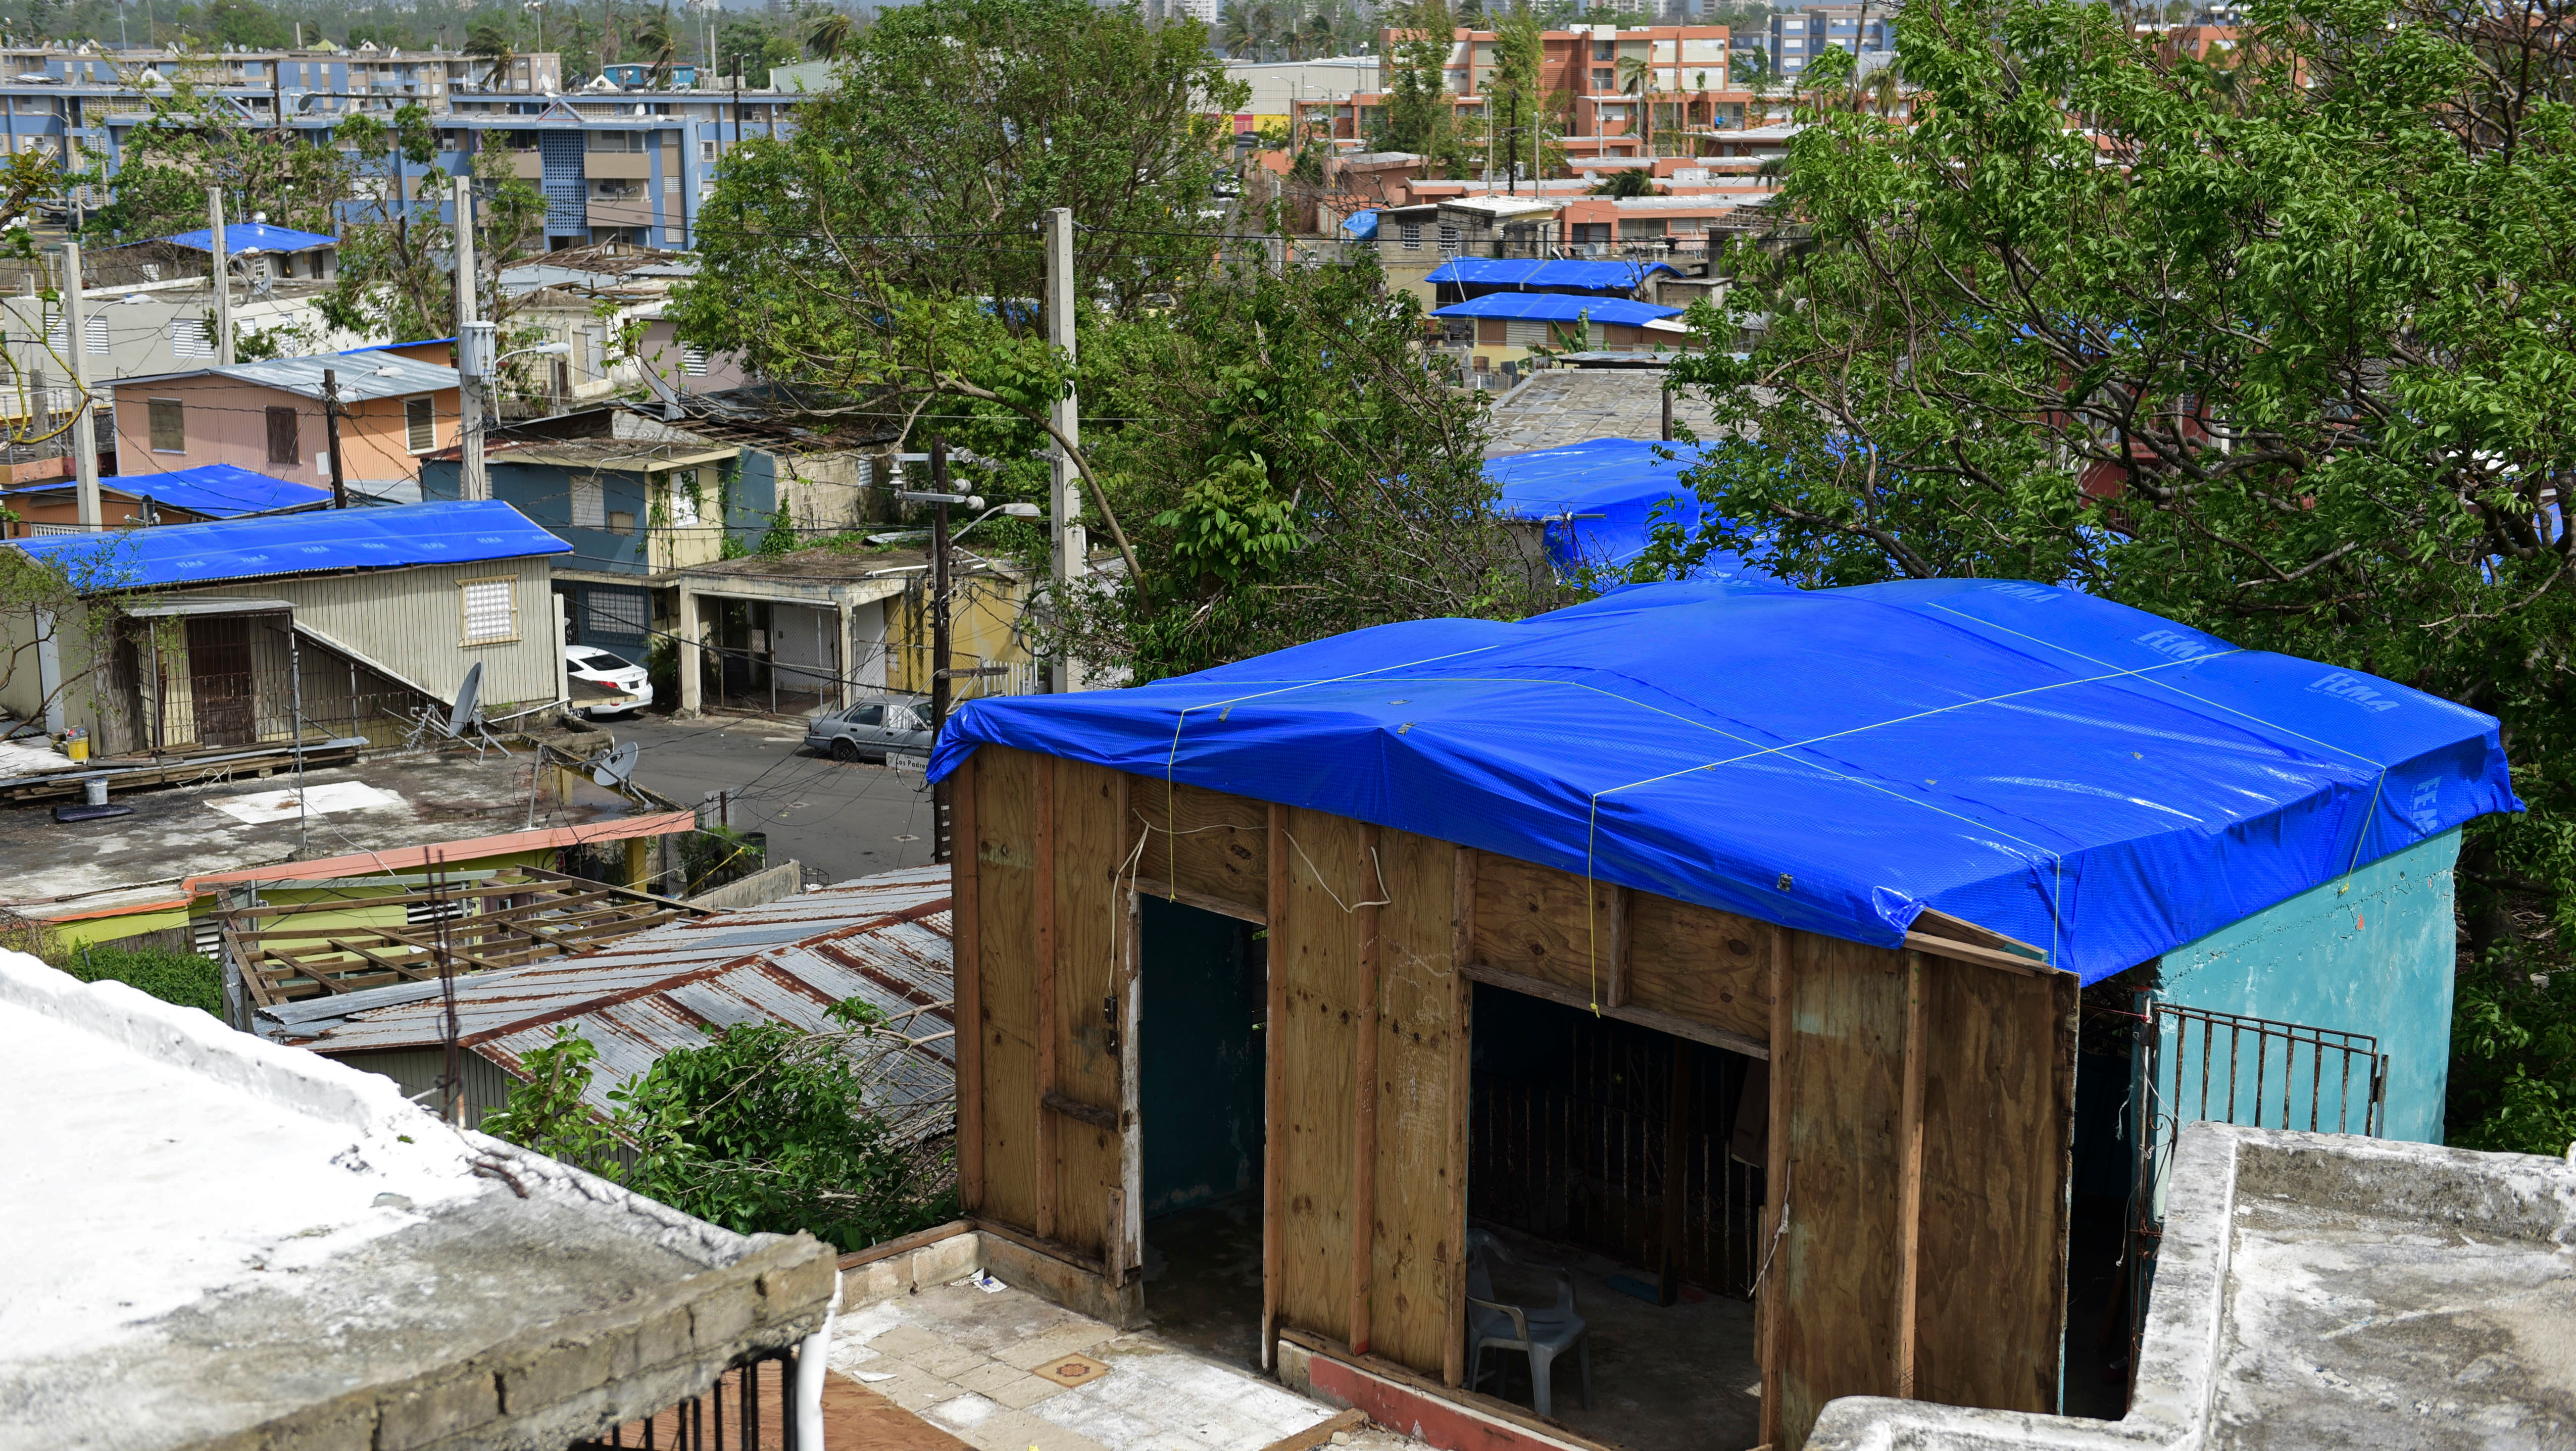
point(1729, 933)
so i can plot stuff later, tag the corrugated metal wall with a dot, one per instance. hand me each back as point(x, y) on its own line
point(412, 622)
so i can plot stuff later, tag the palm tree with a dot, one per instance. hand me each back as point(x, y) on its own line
point(1628, 181)
point(488, 42)
point(829, 35)
point(1637, 78)
point(661, 45)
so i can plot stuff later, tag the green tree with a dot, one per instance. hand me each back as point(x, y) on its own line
point(956, 125)
point(1416, 113)
point(395, 269)
point(765, 1128)
point(2276, 348)
point(1524, 114)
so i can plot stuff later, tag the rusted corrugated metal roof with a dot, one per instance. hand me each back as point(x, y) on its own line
point(883, 940)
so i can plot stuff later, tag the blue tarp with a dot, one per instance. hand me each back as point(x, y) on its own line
point(2088, 778)
point(445, 532)
point(217, 490)
point(1559, 275)
point(1361, 226)
point(1599, 501)
point(1558, 307)
point(246, 238)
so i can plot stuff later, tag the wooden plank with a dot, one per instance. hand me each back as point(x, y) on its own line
point(1080, 1112)
point(1540, 923)
point(1462, 935)
point(967, 984)
point(1909, 1183)
point(1614, 899)
point(1321, 1433)
point(1364, 1025)
point(1150, 887)
point(1642, 1017)
point(1838, 1330)
point(1006, 900)
point(1131, 1076)
point(1047, 1168)
point(1982, 956)
point(1207, 844)
point(1314, 945)
point(1699, 963)
point(1274, 1106)
point(1771, 1285)
point(1091, 904)
point(1416, 1240)
point(1998, 1124)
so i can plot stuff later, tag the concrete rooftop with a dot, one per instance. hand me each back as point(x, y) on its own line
point(214, 1238)
point(57, 869)
point(2324, 1290)
point(1558, 406)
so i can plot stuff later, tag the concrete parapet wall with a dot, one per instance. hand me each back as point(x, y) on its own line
point(953, 1251)
point(574, 1379)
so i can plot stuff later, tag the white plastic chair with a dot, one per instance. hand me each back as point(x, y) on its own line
point(1542, 1335)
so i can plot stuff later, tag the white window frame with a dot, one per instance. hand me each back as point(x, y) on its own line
point(477, 595)
point(589, 503)
point(427, 423)
point(693, 361)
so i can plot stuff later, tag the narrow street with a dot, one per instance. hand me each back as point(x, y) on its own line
point(840, 820)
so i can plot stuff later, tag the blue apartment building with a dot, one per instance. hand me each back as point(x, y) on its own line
point(617, 163)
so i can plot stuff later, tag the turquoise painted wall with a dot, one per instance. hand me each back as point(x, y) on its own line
point(2373, 953)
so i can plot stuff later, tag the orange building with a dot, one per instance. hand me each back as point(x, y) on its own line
point(268, 416)
point(1605, 75)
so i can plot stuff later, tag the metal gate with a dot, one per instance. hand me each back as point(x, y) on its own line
point(2193, 1064)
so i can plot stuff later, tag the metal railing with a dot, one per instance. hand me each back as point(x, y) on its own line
point(2193, 1064)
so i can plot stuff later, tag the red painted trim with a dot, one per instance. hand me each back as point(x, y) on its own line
point(406, 858)
point(1445, 1425)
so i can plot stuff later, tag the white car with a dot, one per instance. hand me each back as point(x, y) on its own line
point(593, 670)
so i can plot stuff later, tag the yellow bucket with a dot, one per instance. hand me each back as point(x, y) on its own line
point(77, 748)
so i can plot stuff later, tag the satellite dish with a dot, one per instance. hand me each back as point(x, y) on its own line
point(613, 769)
point(469, 697)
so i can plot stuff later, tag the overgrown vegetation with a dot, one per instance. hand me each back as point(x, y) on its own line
point(763, 1128)
point(2274, 343)
point(171, 974)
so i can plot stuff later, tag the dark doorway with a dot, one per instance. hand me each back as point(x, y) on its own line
point(219, 680)
point(1625, 1163)
point(1204, 985)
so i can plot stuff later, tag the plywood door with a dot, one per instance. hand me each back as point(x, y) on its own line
point(1088, 1097)
point(1926, 1112)
point(1006, 819)
point(1315, 965)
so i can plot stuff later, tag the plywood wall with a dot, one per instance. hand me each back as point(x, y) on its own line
point(1922, 1107)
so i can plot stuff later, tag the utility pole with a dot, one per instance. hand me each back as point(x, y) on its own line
point(1064, 481)
point(93, 515)
point(472, 481)
point(939, 646)
point(223, 279)
point(331, 436)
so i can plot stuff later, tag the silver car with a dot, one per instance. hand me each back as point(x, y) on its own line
point(872, 729)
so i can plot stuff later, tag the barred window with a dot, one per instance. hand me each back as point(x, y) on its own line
point(490, 613)
point(1448, 241)
point(1412, 232)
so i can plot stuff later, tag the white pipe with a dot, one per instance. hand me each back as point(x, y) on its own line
point(810, 1365)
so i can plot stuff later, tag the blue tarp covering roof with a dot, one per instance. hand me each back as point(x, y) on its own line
point(1599, 501)
point(1360, 226)
point(445, 532)
point(244, 238)
point(217, 490)
point(1558, 275)
point(2086, 777)
point(1558, 307)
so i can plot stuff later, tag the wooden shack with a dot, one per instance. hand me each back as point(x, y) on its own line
point(1692, 929)
point(1920, 1112)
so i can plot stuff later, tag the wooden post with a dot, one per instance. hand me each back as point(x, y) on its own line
point(1773, 1311)
point(1273, 1088)
point(1046, 1084)
point(1909, 1178)
point(1364, 1110)
point(967, 989)
point(1462, 950)
point(1676, 1173)
point(1615, 947)
point(1127, 1220)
